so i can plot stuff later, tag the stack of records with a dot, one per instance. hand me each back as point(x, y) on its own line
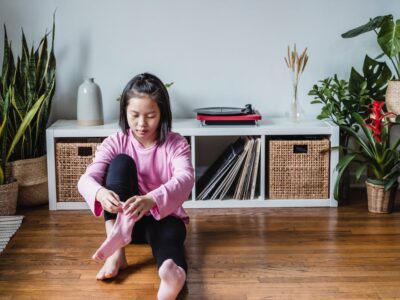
point(234, 174)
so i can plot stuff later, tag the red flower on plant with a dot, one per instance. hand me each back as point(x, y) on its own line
point(377, 119)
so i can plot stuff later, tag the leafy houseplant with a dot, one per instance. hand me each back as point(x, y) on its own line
point(375, 152)
point(27, 86)
point(340, 98)
point(388, 37)
point(387, 31)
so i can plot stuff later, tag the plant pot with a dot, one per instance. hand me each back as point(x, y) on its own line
point(8, 198)
point(31, 175)
point(392, 98)
point(379, 200)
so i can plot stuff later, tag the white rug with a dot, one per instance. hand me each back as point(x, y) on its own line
point(8, 227)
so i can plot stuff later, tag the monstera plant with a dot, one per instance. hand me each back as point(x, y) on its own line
point(387, 32)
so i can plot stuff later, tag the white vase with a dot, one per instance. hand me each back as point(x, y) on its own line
point(89, 104)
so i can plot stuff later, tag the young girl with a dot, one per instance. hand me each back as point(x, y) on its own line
point(139, 178)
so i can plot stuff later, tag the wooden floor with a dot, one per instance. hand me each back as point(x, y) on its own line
point(269, 253)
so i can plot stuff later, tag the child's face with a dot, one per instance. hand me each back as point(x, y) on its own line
point(143, 115)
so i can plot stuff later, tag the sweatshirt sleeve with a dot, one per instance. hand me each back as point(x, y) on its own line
point(171, 195)
point(91, 181)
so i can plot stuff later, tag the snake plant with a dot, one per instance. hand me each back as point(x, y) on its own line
point(27, 86)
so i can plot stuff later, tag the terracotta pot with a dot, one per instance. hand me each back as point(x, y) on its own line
point(379, 200)
point(8, 198)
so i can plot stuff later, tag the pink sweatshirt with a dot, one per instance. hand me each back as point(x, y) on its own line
point(165, 171)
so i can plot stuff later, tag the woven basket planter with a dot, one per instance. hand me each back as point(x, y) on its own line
point(393, 97)
point(379, 200)
point(31, 175)
point(8, 198)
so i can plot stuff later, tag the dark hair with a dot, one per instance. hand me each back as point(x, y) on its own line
point(151, 86)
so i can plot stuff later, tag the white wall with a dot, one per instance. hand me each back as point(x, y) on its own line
point(218, 53)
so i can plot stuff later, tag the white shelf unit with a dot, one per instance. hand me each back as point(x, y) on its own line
point(192, 129)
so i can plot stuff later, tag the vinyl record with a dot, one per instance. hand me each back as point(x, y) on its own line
point(220, 111)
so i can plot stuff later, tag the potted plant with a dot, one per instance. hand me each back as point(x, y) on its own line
point(8, 185)
point(29, 83)
point(376, 155)
point(340, 98)
point(387, 31)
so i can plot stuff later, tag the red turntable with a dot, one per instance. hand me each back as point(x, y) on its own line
point(228, 115)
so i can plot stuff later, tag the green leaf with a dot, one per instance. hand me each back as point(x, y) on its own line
point(360, 170)
point(341, 167)
point(376, 181)
point(1, 176)
point(377, 75)
point(355, 82)
point(41, 65)
point(25, 123)
point(316, 102)
point(358, 140)
point(345, 160)
point(367, 132)
point(371, 25)
point(168, 85)
point(380, 56)
point(391, 183)
point(389, 37)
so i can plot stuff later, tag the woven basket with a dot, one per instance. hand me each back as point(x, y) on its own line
point(392, 98)
point(31, 175)
point(298, 169)
point(379, 200)
point(8, 198)
point(72, 159)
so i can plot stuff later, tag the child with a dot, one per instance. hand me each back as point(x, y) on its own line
point(139, 178)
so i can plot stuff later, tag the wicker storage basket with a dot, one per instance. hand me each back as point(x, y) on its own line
point(31, 175)
point(379, 200)
point(298, 169)
point(72, 158)
point(8, 198)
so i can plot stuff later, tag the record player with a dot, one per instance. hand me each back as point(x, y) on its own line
point(227, 115)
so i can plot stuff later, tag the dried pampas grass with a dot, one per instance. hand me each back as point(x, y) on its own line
point(296, 62)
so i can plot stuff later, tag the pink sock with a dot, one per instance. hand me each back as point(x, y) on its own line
point(120, 236)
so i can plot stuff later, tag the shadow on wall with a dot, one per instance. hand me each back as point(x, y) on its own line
point(182, 105)
point(65, 105)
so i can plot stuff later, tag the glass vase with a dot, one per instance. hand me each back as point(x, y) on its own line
point(295, 113)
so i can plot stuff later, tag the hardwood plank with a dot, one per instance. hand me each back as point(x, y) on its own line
point(249, 254)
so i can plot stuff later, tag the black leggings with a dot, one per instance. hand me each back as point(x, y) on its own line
point(166, 237)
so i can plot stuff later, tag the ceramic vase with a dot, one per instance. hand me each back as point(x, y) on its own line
point(89, 104)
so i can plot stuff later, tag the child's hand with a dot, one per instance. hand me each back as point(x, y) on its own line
point(109, 200)
point(137, 206)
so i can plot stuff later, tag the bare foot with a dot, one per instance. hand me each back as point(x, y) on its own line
point(172, 280)
point(113, 264)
